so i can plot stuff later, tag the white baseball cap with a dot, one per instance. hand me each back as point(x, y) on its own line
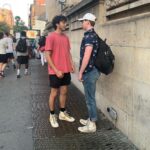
point(88, 16)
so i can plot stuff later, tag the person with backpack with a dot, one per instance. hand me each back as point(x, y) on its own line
point(41, 49)
point(88, 73)
point(22, 47)
point(60, 65)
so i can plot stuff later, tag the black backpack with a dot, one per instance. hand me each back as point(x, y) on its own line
point(21, 46)
point(104, 60)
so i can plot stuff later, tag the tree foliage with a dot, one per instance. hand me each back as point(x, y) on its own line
point(4, 27)
point(19, 25)
point(19, 28)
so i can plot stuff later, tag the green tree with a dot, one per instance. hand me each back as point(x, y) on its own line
point(4, 27)
point(17, 19)
point(19, 28)
point(19, 25)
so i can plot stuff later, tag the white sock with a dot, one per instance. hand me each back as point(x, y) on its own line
point(13, 62)
point(18, 71)
point(26, 70)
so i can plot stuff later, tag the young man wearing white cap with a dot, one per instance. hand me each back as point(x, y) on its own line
point(88, 74)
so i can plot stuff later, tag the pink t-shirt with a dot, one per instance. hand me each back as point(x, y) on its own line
point(60, 46)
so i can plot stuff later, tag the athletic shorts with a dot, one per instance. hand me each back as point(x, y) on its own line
point(10, 56)
point(3, 58)
point(56, 82)
point(23, 59)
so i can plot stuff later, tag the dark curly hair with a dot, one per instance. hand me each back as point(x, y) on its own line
point(23, 33)
point(57, 19)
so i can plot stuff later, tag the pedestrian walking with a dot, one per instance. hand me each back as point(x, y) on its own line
point(88, 73)
point(10, 50)
point(3, 57)
point(22, 47)
point(41, 49)
point(60, 65)
point(35, 45)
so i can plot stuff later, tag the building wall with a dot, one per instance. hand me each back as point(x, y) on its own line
point(40, 19)
point(6, 16)
point(127, 88)
point(72, 2)
point(37, 9)
point(39, 25)
point(125, 24)
point(39, 2)
point(52, 9)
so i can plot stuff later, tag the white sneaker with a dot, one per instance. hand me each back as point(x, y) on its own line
point(84, 122)
point(26, 73)
point(65, 116)
point(18, 76)
point(89, 128)
point(53, 121)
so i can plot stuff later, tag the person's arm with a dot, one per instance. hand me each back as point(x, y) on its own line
point(15, 46)
point(6, 43)
point(28, 47)
point(85, 61)
point(70, 55)
point(72, 64)
point(48, 55)
point(12, 44)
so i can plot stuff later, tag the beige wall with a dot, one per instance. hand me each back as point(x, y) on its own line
point(39, 25)
point(53, 7)
point(127, 88)
point(37, 11)
point(72, 2)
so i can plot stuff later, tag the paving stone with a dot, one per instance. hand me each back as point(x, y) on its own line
point(67, 137)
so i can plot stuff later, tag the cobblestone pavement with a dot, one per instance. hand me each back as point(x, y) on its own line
point(15, 111)
point(67, 137)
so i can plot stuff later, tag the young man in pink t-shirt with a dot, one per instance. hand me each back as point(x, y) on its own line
point(60, 65)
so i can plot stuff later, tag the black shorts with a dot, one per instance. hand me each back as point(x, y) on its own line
point(3, 58)
point(56, 82)
point(23, 59)
point(10, 56)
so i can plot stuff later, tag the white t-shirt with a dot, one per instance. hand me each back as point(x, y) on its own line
point(3, 46)
point(10, 45)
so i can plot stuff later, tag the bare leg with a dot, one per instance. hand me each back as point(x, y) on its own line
point(0, 69)
point(3, 66)
point(18, 66)
point(63, 96)
point(52, 98)
point(26, 66)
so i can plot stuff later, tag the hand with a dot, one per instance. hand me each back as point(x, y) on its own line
point(80, 77)
point(73, 68)
point(30, 56)
point(59, 74)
